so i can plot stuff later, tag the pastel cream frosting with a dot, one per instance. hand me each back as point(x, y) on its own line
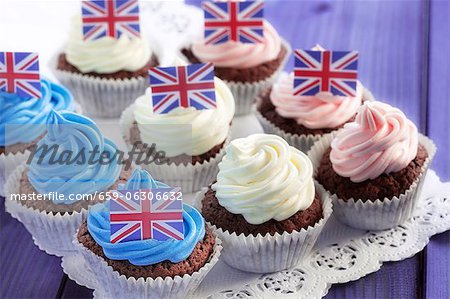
point(105, 55)
point(239, 55)
point(381, 140)
point(186, 130)
point(261, 177)
point(324, 110)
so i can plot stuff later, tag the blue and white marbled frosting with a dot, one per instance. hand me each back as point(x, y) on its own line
point(27, 117)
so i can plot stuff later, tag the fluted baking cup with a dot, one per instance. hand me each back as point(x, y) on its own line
point(265, 254)
point(301, 142)
point(190, 177)
point(115, 285)
point(382, 213)
point(51, 232)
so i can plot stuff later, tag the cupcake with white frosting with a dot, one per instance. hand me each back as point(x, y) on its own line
point(192, 141)
point(105, 74)
point(302, 120)
point(264, 205)
point(248, 69)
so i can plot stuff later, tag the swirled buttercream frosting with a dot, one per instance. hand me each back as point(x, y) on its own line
point(261, 177)
point(150, 251)
point(241, 55)
point(22, 120)
point(73, 158)
point(381, 140)
point(105, 55)
point(206, 128)
point(323, 110)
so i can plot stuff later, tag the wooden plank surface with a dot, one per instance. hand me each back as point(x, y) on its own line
point(437, 253)
point(27, 272)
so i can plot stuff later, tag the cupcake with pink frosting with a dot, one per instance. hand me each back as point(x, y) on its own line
point(248, 69)
point(374, 167)
point(302, 120)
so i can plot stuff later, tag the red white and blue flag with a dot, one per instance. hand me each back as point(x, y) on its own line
point(234, 21)
point(325, 71)
point(182, 86)
point(19, 74)
point(135, 217)
point(110, 18)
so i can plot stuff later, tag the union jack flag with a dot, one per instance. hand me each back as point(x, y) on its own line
point(133, 217)
point(110, 18)
point(19, 74)
point(234, 21)
point(183, 86)
point(325, 71)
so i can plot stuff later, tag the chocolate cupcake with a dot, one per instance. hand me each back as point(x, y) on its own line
point(142, 268)
point(51, 194)
point(191, 140)
point(374, 167)
point(302, 120)
point(107, 73)
point(22, 123)
point(264, 206)
point(247, 69)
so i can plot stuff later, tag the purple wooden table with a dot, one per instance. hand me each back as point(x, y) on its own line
point(404, 47)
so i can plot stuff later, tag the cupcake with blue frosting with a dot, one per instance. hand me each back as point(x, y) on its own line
point(64, 175)
point(22, 122)
point(147, 268)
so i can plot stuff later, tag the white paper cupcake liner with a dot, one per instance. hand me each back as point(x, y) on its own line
point(51, 233)
point(190, 177)
point(301, 142)
point(111, 284)
point(265, 254)
point(382, 213)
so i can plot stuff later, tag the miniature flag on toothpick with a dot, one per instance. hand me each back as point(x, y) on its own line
point(325, 71)
point(19, 74)
point(182, 86)
point(110, 18)
point(134, 216)
point(234, 21)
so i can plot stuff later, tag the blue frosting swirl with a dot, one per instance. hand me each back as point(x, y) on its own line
point(83, 172)
point(29, 116)
point(146, 252)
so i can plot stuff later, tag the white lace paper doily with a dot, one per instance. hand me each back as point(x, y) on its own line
point(342, 254)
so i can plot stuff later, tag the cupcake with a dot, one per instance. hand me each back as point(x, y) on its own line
point(147, 268)
point(374, 167)
point(49, 194)
point(247, 69)
point(192, 140)
point(264, 205)
point(301, 120)
point(104, 74)
point(22, 123)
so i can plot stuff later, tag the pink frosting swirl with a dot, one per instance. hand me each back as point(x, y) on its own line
point(323, 110)
point(381, 140)
point(240, 55)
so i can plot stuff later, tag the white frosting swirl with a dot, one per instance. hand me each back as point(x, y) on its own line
point(261, 177)
point(209, 127)
point(105, 55)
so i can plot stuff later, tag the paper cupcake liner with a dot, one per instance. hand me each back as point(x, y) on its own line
point(114, 285)
point(382, 213)
point(98, 96)
point(245, 93)
point(51, 233)
point(265, 254)
point(301, 142)
point(190, 177)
